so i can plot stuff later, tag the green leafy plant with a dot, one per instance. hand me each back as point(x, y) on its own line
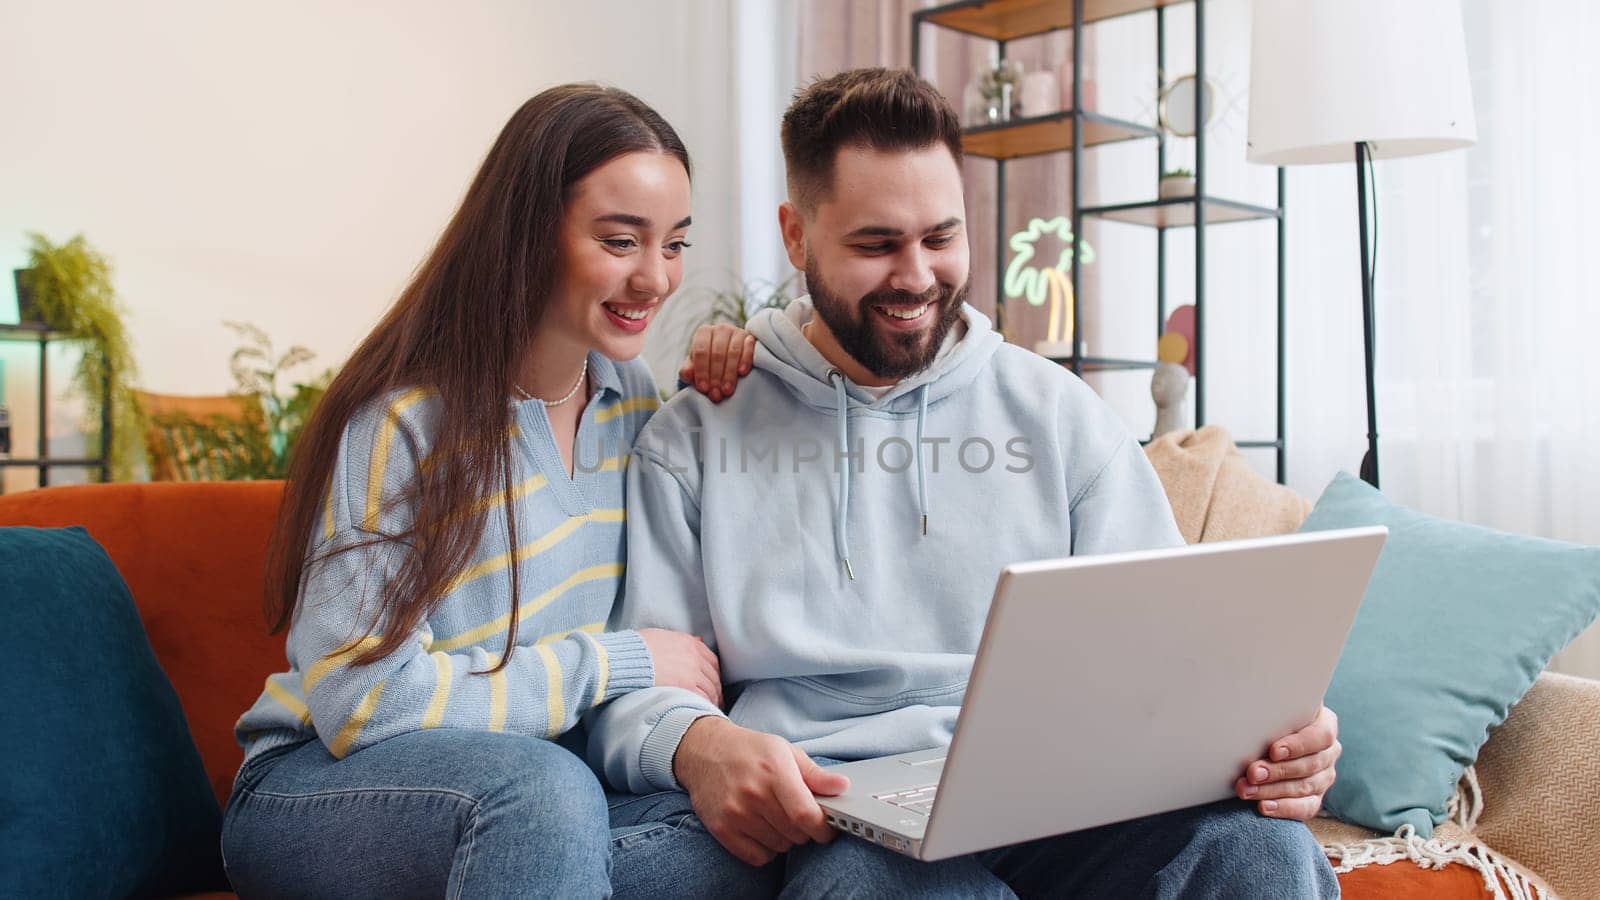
point(255, 374)
point(738, 305)
point(70, 286)
point(1178, 173)
point(251, 448)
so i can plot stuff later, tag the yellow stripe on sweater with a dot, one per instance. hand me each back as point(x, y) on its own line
point(380, 453)
point(591, 628)
point(529, 550)
point(602, 659)
point(288, 700)
point(622, 408)
point(532, 607)
point(612, 463)
point(357, 721)
point(323, 666)
point(517, 493)
point(556, 707)
point(327, 516)
point(443, 672)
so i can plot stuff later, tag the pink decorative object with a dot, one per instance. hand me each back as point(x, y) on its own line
point(1181, 321)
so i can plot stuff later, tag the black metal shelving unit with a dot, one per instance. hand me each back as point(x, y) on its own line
point(1070, 132)
point(41, 335)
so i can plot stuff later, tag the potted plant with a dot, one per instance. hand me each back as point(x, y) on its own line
point(27, 308)
point(1176, 183)
point(256, 447)
point(68, 288)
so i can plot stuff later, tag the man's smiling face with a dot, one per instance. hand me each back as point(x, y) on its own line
point(885, 255)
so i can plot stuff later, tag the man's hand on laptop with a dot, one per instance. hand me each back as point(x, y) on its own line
point(1291, 784)
point(753, 791)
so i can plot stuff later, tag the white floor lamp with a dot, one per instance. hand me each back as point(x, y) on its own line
point(1336, 80)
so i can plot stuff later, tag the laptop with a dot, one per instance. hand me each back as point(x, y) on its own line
point(1112, 687)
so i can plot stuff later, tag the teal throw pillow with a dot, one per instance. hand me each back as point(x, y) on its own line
point(102, 793)
point(1456, 624)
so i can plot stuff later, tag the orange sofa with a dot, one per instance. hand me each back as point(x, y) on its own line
point(193, 555)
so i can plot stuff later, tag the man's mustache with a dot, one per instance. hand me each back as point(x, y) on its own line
point(939, 293)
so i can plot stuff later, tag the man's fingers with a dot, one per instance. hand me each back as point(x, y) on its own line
point(1303, 809)
point(1261, 772)
point(801, 808)
point(1312, 785)
point(748, 851)
point(779, 818)
point(755, 826)
point(818, 779)
point(1321, 734)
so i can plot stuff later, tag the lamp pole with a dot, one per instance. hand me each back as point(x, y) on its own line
point(1369, 463)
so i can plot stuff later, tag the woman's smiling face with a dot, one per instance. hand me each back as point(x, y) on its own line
point(621, 252)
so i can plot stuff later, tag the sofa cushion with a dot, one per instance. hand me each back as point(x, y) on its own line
point(101, 789)
point(1214, 492)
point(1456, 624)
point(194, 554)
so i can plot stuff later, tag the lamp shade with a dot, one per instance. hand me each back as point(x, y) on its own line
point(1326, 74)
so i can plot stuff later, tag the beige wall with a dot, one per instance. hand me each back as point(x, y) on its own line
point(288, 164)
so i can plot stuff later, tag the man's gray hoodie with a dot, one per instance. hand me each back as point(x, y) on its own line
point(785, 526)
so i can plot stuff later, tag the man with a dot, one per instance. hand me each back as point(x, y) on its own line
point(835, 529)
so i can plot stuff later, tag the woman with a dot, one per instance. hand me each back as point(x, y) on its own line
point(470, 452)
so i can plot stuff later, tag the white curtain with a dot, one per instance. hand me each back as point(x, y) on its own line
point(1488, 328)
point(1488, 320)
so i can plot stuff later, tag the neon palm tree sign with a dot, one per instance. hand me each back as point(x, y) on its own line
point(1050, 283)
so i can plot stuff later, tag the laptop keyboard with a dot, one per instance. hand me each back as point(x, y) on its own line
point(917, 800)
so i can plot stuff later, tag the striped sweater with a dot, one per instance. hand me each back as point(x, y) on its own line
point(570, 559)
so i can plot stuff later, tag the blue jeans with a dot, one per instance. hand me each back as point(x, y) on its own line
point(461, 814)
point(429, 814)
point(1221, 850)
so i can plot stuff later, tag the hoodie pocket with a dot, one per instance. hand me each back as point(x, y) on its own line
point(949, 694)
point(801, 708)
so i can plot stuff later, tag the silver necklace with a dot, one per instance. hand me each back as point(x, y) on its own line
point(582, 374)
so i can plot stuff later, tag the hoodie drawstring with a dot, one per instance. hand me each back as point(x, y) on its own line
point(922, 480)
point(841, 522)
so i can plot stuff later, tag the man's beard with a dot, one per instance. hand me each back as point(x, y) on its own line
point(892, 355)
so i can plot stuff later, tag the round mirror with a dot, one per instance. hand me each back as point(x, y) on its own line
point(1176, 111)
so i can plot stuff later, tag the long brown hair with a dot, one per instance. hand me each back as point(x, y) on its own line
point(457, 329)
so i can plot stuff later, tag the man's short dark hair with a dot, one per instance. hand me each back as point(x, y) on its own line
point(881, 109)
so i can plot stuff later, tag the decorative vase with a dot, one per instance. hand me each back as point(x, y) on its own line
point(998, 84)
point(1173, 187)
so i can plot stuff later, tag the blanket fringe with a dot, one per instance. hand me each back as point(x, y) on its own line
point(1500, 878)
